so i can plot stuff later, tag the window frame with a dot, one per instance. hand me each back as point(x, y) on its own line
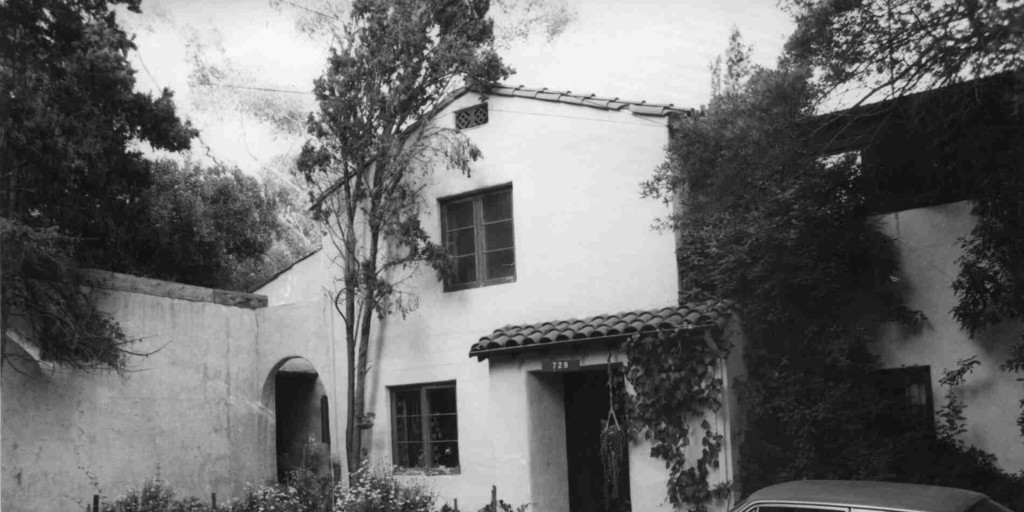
point(425, 419)
point(476, 196)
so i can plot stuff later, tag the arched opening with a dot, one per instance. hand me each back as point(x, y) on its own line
point(298, 398)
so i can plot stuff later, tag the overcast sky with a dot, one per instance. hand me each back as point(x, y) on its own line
point(654, 50)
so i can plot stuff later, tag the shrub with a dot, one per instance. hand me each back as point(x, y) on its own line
point(377, 490)
point(154, 496)
point(316, 493)
point(275, 497)
point(504, 507)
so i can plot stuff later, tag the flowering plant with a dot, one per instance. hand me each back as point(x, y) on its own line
point(377, 490)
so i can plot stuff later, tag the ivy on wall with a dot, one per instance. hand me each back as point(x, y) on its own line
point(677, 384)
point(768, 221)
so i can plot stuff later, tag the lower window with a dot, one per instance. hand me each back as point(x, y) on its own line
point(425, 428)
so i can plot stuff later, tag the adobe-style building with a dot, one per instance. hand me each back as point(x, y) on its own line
point(556, 265)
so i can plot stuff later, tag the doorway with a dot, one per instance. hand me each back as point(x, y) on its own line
point(586, 409)
point(302, 428)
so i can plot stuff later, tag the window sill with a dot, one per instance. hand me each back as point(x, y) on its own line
point(469, 286)
point(400, 471)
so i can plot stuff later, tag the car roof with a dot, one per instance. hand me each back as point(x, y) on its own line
point(885, 495)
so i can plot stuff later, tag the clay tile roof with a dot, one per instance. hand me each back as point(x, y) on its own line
point(641, 108)
point(524, 337)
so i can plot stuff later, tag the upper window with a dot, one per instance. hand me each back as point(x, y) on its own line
point(479, 235)
point(425, 428)
point(470, 117)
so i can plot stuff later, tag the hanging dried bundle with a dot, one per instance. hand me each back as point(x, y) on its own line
point(613, 447)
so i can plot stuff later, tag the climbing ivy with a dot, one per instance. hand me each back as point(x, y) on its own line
point(768, 221)
point(676, 384)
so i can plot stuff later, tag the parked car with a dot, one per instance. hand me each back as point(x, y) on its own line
point(862, 496)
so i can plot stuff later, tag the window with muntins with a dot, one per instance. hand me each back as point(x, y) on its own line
point(480, 236)
point(472, 116)
point(425, 428)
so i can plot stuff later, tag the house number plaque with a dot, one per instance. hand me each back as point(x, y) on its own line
point(560, 365)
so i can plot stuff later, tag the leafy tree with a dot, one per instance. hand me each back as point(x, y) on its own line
point(889, 48)
point(73, 122)
point(395, 64)
point(70, 168)
point(228, 221)
point(893, 47)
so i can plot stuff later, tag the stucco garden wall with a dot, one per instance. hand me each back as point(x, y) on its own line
point(300, 330)
point(189, 411)
point(928, 242)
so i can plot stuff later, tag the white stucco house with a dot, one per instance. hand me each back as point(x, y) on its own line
point(556, 264)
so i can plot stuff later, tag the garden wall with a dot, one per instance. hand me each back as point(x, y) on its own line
point(189, 411)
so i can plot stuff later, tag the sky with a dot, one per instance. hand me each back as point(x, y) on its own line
point(653, 50)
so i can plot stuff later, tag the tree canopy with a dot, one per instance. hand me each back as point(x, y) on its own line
point(894, 47)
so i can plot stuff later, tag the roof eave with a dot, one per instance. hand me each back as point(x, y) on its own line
point(614, 339)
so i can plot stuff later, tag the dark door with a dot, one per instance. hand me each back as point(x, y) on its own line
point(586, 408)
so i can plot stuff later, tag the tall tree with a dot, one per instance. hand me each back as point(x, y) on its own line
point(395, 63)
point(73, 121)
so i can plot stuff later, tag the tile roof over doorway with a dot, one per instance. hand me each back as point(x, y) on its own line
point(712, 313)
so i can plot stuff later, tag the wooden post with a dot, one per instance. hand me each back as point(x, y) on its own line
point(213, 500)
point(494, 498)
point(456, 500)
point(95, 503)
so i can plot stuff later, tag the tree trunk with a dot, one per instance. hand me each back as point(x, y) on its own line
point(352, 437)
point(365, 325)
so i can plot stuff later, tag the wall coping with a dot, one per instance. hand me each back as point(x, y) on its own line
point(117, 281)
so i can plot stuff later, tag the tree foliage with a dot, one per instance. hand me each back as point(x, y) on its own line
point(229, 222)
point(893, 47)
point(74, 121)
point(372, 142)
point(45, 301)
point(766, 220)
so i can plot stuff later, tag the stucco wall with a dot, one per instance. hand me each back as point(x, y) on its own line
point(299, 330)
point(928, 242)
point(189, 412)
point(303, 281)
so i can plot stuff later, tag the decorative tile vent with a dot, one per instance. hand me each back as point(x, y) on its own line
point(470, 117)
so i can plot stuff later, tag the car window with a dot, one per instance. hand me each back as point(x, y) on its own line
point(798, 508)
